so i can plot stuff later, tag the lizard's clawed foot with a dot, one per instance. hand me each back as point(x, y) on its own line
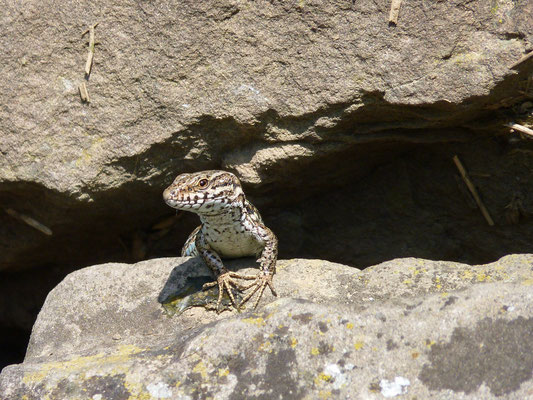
point(224, 282)
point(261, 281)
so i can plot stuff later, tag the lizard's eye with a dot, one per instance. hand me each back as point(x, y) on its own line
point(203, 183)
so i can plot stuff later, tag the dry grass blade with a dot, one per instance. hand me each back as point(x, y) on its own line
point(84, 93)
point(523, 59)
point(394, 11)
point(30, 221)
point(473, 190)
point(90, 55)
point(520, 128)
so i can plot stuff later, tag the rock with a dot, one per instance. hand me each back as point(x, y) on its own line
point(409, 326)
point(322, 97)
point(338, 124)
point(268, 90)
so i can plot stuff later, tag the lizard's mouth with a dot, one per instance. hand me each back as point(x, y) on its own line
point(170, 199)
point(180, 204)
point(172, 203)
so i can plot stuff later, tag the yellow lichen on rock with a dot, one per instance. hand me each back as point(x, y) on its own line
point(122, 354)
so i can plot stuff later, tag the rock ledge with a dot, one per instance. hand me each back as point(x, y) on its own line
point(409, 326)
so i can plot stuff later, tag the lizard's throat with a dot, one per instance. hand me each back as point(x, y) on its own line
point(229, 216)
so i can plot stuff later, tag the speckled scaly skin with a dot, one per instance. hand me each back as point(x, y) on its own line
point(231, 227)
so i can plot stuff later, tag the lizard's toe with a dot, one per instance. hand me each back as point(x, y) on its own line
point(261, 281)
point(225, 282)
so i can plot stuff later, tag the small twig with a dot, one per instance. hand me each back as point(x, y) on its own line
point(30, 221)
point(529, 80)
point(473, 190)
point(88, 30)
point(520, 128)
point(523, 59)
point(90, 55)
point(394, 11)
point(525, 94)
point(89, 64)
point(84, 93)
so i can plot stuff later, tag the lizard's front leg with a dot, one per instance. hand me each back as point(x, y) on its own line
point(224, 277)
point(267, 260)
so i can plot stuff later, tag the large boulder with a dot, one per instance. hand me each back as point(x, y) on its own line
point(269, 90)
point(409, 326)
point(341, 126)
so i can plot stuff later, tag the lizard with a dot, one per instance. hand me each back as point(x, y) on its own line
point(231, 227)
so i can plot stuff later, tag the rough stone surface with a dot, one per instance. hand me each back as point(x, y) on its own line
point(405, 327)
point(341, 127)
point(269, 90)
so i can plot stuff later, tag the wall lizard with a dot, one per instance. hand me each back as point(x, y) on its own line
point(231, 227)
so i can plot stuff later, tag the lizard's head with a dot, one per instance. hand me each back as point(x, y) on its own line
point(205, 192)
